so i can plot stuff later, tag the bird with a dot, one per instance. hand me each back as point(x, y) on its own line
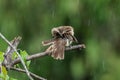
point(62, 36)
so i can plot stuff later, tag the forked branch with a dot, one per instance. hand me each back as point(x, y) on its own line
point(23, 63)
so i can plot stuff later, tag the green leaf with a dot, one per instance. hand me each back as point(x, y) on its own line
point(14, 55)
point(28, 63)
point(7, 77)
point(4, 71)
point(3, 74)
point(1, 57)
point(17, 65)
point(24, 55)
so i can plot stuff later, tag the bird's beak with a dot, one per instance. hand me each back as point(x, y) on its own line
point(60, 34)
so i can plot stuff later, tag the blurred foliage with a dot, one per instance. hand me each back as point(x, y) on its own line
point(96, 23)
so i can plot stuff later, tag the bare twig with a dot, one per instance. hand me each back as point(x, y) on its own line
point(8, 53)
point(23, 63)
point(38, 55)
point(32, 74)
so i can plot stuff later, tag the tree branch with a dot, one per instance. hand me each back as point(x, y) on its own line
point(32, 74)
point(38, 55)
point(23, 63)
point(34, 56)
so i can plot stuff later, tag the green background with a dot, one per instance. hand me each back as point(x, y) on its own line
point(96, 24)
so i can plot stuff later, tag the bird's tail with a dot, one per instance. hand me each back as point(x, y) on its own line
point(57, 49)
